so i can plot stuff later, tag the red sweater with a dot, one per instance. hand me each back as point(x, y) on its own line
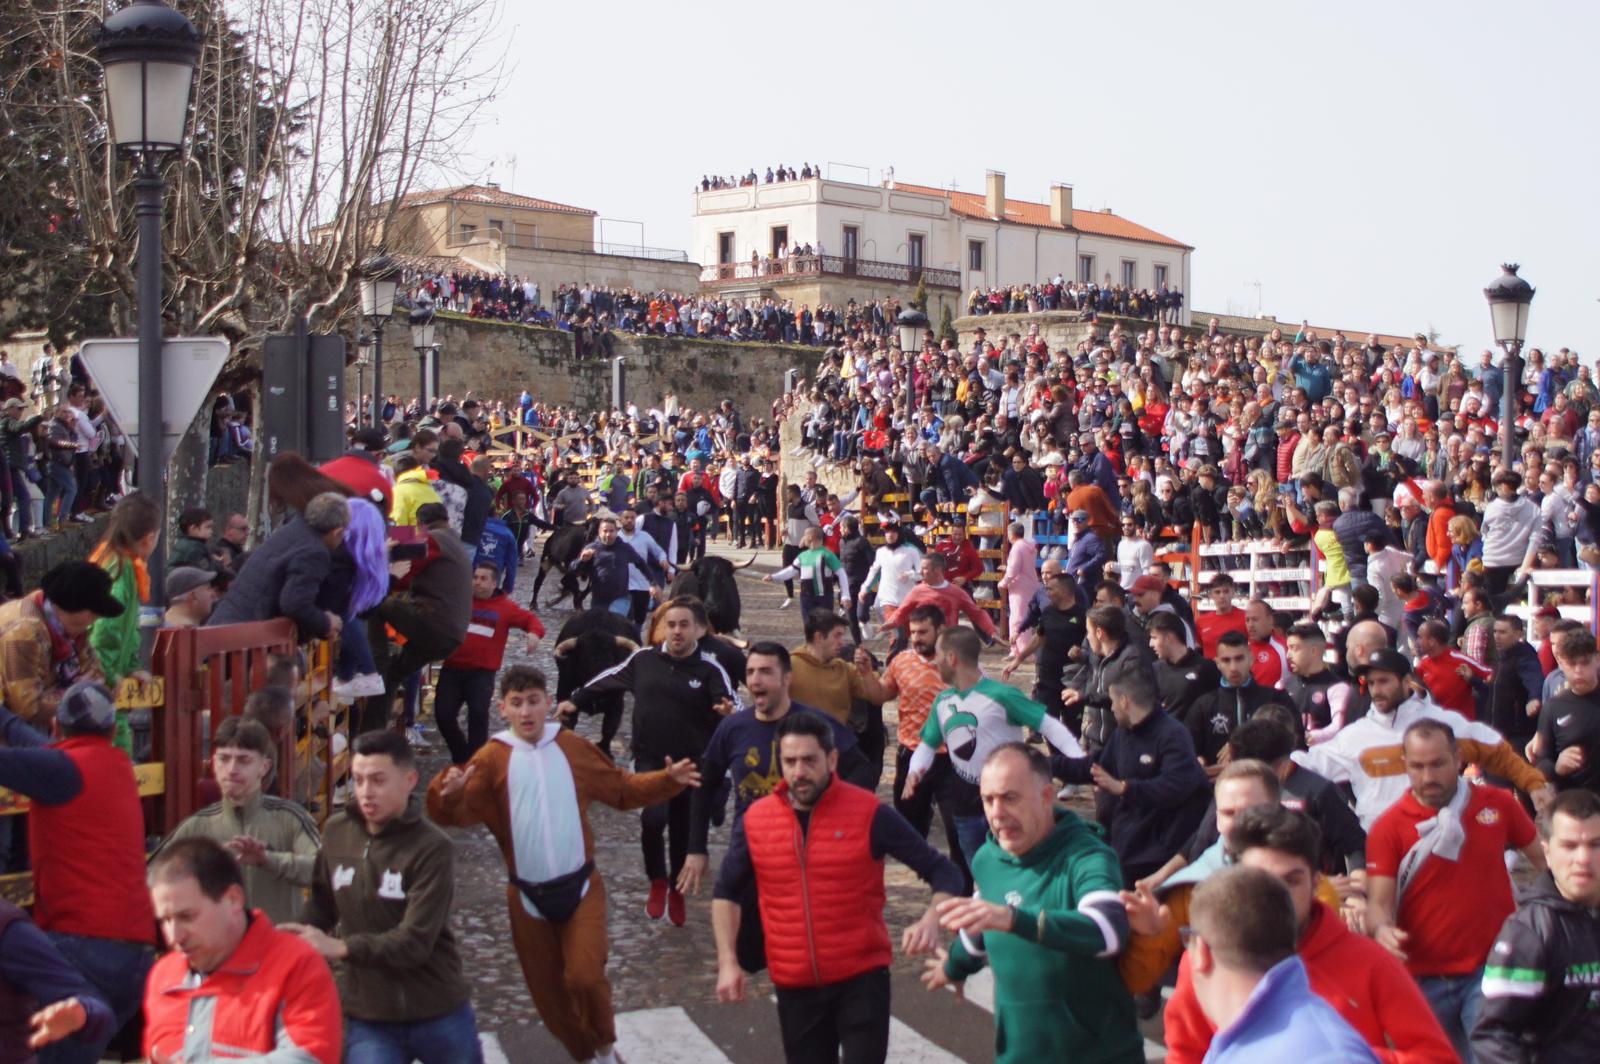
point(953, 600)
point(1438, 674)
point(1362, 980)
point(961, 563)
point(492, 620)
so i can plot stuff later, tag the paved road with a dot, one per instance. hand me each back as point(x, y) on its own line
point(664, 977)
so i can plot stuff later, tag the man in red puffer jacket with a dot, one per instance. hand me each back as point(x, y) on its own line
point(815, 848)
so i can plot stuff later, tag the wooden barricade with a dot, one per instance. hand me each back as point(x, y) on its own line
point(1546, 584)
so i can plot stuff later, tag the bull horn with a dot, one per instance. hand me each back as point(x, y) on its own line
point(564, 647)
point(626, 644)
point(749, 563)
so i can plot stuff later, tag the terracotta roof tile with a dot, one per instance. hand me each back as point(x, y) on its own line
point(1025, 212)
point(489, 195)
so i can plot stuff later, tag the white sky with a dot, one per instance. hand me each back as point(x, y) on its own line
point(1370, 164)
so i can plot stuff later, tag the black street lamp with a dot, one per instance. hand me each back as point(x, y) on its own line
point(912, 324)
point(1509, 297)
point(422, 332)
point(380, 277)
point(148, 54)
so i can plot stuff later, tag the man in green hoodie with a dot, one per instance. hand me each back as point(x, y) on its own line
point(1047, 919)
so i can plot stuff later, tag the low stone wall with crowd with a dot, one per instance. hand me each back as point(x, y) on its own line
point(499, 359)
point(1061, 329)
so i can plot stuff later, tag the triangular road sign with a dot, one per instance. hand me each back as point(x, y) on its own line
point(189, 367)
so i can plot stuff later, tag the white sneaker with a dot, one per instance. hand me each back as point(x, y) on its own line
point(415, 736)
point(361, 685)
point(786, 603)
point(83, 519)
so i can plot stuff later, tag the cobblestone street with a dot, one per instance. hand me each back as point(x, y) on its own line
point(657, 969)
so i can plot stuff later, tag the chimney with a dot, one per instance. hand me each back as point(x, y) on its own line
point(994, 199)
point(1061, 205)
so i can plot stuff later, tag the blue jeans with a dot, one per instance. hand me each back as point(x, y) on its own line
point(118, 971)
point(448, 1039)
point(355, 653)
point(1455, 1000)
point(623, 605)
point(59, 484)
point(971, 831)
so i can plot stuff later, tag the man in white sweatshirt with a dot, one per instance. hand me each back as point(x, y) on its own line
point(896, 567)
point(1508, 524)
point(1367, 754)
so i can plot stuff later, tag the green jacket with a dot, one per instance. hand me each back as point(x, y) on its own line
point(1057, 993)
point(115, 642)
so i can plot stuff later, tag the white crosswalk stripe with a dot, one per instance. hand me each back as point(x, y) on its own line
point(664, 1036)
point(492, 1053)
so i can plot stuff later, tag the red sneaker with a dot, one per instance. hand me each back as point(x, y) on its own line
point(676, 910)
point(656, 906)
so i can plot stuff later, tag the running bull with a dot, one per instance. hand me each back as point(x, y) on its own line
point(712, 581)
point(588, 644)
point(561, 549)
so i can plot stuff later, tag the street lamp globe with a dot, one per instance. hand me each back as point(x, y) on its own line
point(422, 336)
point(380, 278)
point(149, 52)
point(1509, 297)
point(912, 323)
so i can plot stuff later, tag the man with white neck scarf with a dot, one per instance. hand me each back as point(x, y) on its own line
point(1437, 885)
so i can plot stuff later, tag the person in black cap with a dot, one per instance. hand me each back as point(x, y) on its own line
point(359, 470)
point(44, 638)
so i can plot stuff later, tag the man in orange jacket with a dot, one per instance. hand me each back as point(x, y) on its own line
point(232, 979)
point(1358, 977)
point(1442, 511)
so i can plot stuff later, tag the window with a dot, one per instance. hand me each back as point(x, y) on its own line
point(724, 248)
point(499, 225)
point(1085, 269)
point(914, 250)
point(852, 242)
point(468, 232)
point(975, 255)
point(1130, 274)
point(780, 239)
point(1160, 274)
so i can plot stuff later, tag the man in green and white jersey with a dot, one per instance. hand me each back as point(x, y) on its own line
point(972, 717)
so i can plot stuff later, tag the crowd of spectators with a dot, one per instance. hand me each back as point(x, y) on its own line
point(783, 172)
point(1162, 305)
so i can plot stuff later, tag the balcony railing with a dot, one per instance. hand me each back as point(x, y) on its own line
point(802, 266)
point(493, 235)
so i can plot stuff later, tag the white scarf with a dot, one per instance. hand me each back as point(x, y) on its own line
point(546, 827)
point(1441, 835)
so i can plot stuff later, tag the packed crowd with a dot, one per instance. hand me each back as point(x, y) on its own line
point(1160, 305)
point(1320, 821)
point(782, 173)
point(595, 312)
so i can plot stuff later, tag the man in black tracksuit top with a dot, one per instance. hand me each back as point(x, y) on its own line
point(680, 695)
point(1517, 684)
point(1062, 631)
point(1543, 975)
point(1183, 674)
point(1215, 715)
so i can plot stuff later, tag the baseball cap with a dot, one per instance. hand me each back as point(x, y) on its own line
point(1080, 515)
point(87, 706)
point(1148, 582)
point(1389, 660)
point(80, 585)
point(185, 578)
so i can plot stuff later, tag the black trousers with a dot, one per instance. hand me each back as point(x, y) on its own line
point(849, 1018)
point(426, 643)
point(933, 792)
point(663, 827)
point(790, 553)
point(747, 523)
point(751, 945)
point(452, 689)
point(639, 608)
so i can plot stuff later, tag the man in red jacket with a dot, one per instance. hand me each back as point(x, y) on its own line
point(232, 979)
point(86, 837)
point(1358, 977)
point(815, 848)
point(467, 675)
point(962, 566)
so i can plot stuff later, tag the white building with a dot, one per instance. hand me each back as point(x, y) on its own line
point(896, 233)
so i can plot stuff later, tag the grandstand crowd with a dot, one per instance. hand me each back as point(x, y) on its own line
point(1309, 652)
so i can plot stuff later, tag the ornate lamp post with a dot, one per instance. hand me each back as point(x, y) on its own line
point(380, 277)
point(148, 52)
point(422, 333)
point(1509, 297)
point(912, 324)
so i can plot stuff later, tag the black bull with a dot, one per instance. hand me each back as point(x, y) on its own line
point(712, 581)
point(588, 644)
point(561, 549)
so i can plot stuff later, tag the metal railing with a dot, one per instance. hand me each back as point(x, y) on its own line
point(462, 237)
point(833, 265)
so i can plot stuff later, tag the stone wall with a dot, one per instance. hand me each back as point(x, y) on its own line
point(1060, 328)
point(498, 359)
